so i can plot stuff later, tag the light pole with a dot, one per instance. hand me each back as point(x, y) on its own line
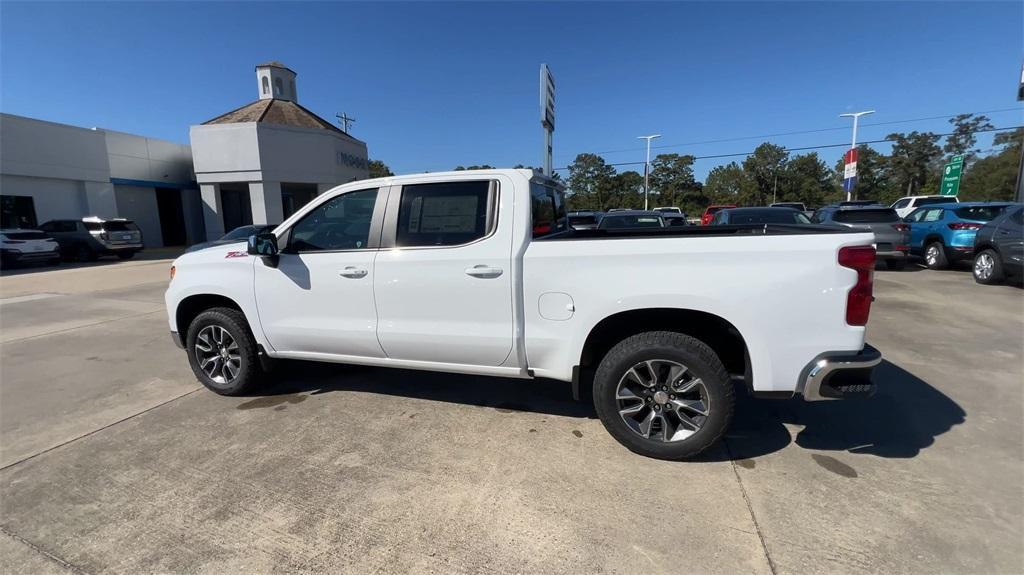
point(853, 146)
point(647, 164)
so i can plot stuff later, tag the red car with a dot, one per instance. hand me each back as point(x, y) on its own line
point(710, 212)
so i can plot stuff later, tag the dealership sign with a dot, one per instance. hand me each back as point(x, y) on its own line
point(547, 113)
point(850, 169)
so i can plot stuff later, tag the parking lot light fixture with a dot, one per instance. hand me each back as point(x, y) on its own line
point(647, 164)
point(853, 146)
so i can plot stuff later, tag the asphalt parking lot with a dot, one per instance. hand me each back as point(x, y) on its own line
point(113, 459)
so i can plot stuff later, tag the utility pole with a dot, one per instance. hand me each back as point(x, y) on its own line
point(850, 176)
point(344, 120)
point(647, 165)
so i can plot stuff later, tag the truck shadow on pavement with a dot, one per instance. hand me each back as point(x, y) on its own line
point(903, 418)
point(502, 394)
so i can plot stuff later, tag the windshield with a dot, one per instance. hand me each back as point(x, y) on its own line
point(979, 213)
point(622, 222)
point(886, 215)
point(783, 216)
point(120, 226)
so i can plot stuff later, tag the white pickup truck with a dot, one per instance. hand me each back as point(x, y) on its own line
point(478, 272)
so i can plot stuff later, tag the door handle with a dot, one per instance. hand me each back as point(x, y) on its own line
point(483, 271)
point(353, 272)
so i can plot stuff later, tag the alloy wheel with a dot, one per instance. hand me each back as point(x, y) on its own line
point(931, 255)
point(983, 266)
point(662, 400)
point(217, 354)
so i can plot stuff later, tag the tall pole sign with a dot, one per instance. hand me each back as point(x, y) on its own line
point(849, 171)
point(951, 176)
point(547, 114)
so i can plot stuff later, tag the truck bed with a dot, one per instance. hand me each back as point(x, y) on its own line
point(702, 231)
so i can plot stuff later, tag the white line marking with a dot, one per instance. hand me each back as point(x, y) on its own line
point(32, 297)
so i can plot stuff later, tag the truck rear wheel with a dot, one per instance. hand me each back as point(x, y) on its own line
point(664, 395)
point(222, 352)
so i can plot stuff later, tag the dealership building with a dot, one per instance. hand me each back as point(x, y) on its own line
point(255, 164)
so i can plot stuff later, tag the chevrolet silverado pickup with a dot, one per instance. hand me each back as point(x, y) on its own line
point(478, 272)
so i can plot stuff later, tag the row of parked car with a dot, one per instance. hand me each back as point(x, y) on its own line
point(83, 239)
point(939, 229)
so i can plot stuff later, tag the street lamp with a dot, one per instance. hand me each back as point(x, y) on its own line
point(647, 164)
point(853, 146)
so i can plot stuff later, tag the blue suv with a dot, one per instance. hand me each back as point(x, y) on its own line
point(944, 233)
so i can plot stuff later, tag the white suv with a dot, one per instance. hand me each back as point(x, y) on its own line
point(904, 206)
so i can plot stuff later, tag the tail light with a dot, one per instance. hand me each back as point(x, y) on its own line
point(964, 226)
point(858, 300)
point(901, 227)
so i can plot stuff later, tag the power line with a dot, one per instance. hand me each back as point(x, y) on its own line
point(802, 148)
point(814, 131)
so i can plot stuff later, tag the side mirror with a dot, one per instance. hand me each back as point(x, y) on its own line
point(263, 245)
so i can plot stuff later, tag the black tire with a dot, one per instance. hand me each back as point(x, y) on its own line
point(995, 273)
point(125, 255)
point(936, 260)
point(233, 321)
point(896, 265)
point(700, 361)
point(84, 253)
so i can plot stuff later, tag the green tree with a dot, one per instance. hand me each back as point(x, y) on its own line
point(730, 184)
point(483, 167)
point(673, 183)
point(590, 183)
point(872, 177)
point(994, 177)
point(913, 163)
point(379, 169)
point(806, 179)
point(964, 135)
point(763, 167)
point(627, 191)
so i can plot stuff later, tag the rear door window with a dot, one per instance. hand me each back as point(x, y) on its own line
point(932, 215)
point(547, 211)
point(867, 216)
point(445, 213)
point(120, 226)
point(979, 213)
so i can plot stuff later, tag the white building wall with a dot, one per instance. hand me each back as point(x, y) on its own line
point(53, 198)
point(306, 155)
point(30, 147)
point(139, 203)
point(222, 148)
point(139, 158)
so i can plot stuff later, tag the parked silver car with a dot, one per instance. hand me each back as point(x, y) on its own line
point(892, 236)
point(999, 248)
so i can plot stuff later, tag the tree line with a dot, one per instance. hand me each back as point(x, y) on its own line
point(913, 166)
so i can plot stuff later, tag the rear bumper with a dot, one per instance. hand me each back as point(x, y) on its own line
point(16, 256)
point(841, 375)
point(891, 255)
point(118, 248)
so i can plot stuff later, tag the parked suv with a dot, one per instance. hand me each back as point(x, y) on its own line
point(86, 239)
point(710, 211)
point(904, 206)
point(25, 246)
point(999, 248)
point(892, 240)
point(944, 233)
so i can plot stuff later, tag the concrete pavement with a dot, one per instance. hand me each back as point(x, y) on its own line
point(113, 459)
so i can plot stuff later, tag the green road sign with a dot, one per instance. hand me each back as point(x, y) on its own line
point(951, 176)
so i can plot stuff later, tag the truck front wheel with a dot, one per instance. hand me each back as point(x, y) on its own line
point(664, 395)
point(222, 352)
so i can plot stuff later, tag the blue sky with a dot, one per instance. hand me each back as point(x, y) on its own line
point(435, 85)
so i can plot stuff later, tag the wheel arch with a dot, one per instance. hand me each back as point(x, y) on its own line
point(193, 305)
point(714, 331)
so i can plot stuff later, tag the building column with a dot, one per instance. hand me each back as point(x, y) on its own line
point(321, 188)
point(100, 199)
point(213, 219)
point(267, 207)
